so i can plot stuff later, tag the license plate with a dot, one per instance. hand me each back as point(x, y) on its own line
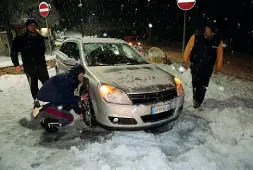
point(160, 109)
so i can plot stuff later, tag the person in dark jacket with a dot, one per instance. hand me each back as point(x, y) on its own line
point(31, 45)
point(56, 98)
point(204, 52)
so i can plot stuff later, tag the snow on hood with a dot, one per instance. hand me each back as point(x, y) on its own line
point(134, 79)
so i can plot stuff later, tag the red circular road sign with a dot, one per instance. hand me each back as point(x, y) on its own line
point(44, 9)
point(186, 4)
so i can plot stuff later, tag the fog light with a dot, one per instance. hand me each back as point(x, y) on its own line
point(115, 120)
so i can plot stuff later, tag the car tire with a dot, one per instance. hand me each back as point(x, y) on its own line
point(90, 118)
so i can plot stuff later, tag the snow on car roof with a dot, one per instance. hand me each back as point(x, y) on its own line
point(100, 40)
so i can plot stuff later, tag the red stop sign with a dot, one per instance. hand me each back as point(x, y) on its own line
point(186, 4)
point(44, 9)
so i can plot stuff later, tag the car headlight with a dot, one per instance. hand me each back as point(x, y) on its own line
point(180, 89)
point(113, 95)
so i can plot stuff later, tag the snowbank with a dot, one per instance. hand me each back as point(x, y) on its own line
point(6, 61)
point(217, 137)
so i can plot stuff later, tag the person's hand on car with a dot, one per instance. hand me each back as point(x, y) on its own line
point(18, 69)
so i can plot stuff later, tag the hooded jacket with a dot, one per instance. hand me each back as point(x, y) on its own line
point(59, 90)
point(32, 49)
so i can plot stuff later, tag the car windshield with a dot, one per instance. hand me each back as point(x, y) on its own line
point(109, 54)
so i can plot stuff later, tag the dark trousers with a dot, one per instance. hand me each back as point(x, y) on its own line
point(61, 114)
point(200, 82)
point(35, 74)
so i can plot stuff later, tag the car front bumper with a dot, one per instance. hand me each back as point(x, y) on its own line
point(136, 117)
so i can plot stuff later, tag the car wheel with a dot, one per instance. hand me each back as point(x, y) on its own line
point(89, 116)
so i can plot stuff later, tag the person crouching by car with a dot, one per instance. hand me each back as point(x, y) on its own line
point(56, 98)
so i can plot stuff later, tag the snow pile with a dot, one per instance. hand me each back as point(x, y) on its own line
point(217, 137)
point(6, 61)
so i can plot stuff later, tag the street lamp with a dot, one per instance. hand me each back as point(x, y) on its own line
point(80, 6)
point(150, 26)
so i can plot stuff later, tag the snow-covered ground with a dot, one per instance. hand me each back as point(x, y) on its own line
point(218, 136)
point(6, 61)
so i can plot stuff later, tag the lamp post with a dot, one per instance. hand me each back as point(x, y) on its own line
point(82, 23)
point(150, 27)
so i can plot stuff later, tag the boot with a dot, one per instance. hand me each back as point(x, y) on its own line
point(196, 104)
point(50, 125)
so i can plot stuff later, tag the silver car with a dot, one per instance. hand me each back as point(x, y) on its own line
point(126, 91)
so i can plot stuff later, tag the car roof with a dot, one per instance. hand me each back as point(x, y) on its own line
point(97, 40)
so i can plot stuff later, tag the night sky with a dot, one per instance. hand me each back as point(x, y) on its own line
point(162, 15)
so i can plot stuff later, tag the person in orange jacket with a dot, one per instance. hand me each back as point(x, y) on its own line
point(204, 54)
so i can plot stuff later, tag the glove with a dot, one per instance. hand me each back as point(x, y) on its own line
point(18, 69)
point(85, 96)
point(185, 66)
point(182, 69)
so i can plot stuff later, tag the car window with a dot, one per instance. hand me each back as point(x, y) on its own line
point(71, 49)
point(63, 48)
point(109, 54)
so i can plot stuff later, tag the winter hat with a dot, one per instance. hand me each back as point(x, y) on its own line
point(76, 70)
point(31, 21)
point(213, 26)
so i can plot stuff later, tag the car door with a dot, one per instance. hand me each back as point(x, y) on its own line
point(68, 56)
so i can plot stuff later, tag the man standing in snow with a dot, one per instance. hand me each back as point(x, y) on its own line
point(204, 52)
point(32, 47)
point(56, 98)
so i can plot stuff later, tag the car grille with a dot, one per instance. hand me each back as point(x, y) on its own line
point(145, 98)
point(157, 117)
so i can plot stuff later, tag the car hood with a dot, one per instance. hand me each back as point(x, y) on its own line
point(135, 78)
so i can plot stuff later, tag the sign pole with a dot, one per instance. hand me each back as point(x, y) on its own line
point(49, 37)
point(184, 31)
point(44, 10)
point(185, 5)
